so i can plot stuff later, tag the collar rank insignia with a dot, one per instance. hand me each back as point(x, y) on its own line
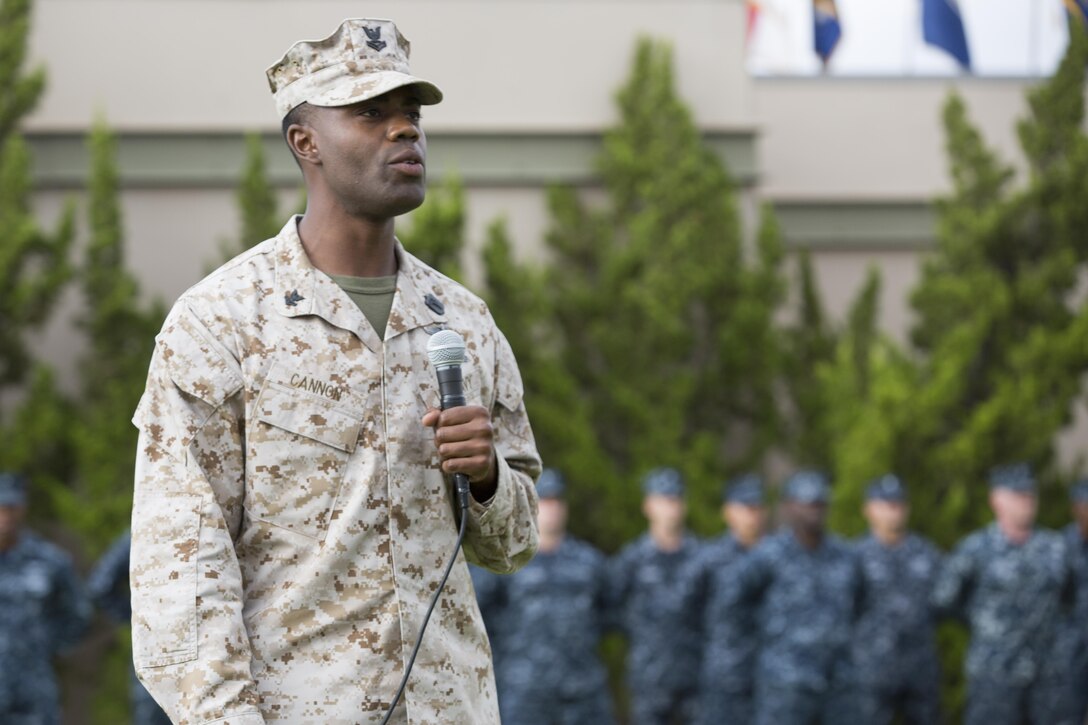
point(434, 303)
point(375, 35)
point(292, 298)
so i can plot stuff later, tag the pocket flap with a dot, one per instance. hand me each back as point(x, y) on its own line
point(305, 414)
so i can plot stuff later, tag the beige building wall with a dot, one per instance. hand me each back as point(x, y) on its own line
point(851, 164)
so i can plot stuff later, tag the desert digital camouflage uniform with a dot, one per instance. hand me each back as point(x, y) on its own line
point(43, 610)
point(1013, 599)
point(108, 586)
point(291, 520)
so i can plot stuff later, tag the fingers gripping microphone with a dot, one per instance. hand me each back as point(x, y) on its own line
point(446, 350)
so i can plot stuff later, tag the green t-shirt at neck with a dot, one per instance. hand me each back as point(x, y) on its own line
point(374, 295)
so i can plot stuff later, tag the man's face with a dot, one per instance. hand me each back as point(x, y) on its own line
point(746, 521)
point(1015, 509)
point(372, 154)
point(11, 521)
point(809, 517)
point(887, 516)
point(665, 511)
point(552, 516)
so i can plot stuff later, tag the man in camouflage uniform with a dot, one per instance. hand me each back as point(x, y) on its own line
point(1011, 582)
point(803, 588)
point(109, 590)
point(894, 646)
point(43, 610)
point(1073, 640)
point(293, 511)
point(658, 606)
point(731, 643)
point(550, 619)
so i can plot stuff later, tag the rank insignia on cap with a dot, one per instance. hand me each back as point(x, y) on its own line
point(375, 38)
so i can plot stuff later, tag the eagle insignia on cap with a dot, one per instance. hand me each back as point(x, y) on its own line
point(375, 35)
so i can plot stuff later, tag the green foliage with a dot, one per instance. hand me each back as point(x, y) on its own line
point(1000, 335)
point(257, 206)
point(120, 330)
point(436, 234)
point(33, 263)
point(648, 340)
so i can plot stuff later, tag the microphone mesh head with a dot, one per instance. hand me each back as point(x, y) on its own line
point(446, 348)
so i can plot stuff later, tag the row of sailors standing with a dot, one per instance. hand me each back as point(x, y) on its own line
point(799, 626)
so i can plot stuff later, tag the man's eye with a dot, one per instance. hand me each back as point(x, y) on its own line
point(415, 116)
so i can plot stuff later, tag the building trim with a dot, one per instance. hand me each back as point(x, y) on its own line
point(156, 160)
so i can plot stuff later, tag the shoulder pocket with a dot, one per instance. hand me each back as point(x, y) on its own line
point(163, 576)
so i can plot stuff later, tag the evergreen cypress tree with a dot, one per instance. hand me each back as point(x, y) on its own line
point(437, 231)
point(33, 263)
point(120, 330)
point(657, 345)
point(257, 206)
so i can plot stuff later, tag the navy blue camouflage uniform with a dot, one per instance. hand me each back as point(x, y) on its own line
point(660, 613)
point(1013, 599)
point(548, 620)
point(894, 647)
point(1073, 640)
point(731, 642)
point(44, 611)
point(109, 589)
point(805, 603)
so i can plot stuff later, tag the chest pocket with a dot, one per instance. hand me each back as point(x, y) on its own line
point(298, 451)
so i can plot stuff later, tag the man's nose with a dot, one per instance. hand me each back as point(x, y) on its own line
point(403, 128)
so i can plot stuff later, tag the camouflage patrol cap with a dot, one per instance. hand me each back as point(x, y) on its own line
point(1079, 491)
point(663, 482)
point(808, 487)
point(888, 487)
point(550, 484)
point(1015, 477)
point(746, 489)
point(363, 58)
point(12, 489)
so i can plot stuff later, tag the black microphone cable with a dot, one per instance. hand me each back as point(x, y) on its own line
point(461, 482)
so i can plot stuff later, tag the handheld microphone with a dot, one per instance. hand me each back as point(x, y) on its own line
point(446, 350)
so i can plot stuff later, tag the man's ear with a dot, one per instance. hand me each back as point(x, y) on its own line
point(302, 140)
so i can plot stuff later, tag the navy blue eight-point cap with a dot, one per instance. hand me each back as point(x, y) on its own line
point(12, 489)
point(1015, 477)
point(550, 484)
point(808, 487)
point(888, 487)
point(746, 489)
point(663, 482)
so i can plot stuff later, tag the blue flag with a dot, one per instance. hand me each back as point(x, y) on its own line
point(827, 30)
point(942, 26)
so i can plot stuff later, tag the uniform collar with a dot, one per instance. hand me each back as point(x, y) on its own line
point(302, 289)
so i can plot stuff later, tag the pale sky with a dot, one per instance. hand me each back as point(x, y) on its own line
point(884, 37)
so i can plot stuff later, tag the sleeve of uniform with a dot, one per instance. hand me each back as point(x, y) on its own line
point(190, 645)
point(501, 534)
point(70, 608)
point(108, 581)
point(620, 573)
point(954, 583)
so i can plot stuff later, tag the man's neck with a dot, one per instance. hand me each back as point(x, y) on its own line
point(889, 538)
point(339, 244)
point(1015, 534)
point(667, 539)
point(809, 538)
point(549, 542)
point(748, 540)
point(8, 543)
